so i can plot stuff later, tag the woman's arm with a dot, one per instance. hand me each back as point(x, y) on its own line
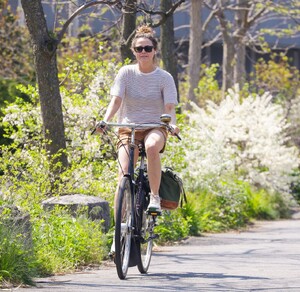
point(112, 108)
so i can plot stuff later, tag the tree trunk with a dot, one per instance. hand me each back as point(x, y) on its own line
point(241, 19)
point(168, 43)
point(239, 70)
point(228, 63)
point(128, 26)
point(44, 51)
point(194, 66)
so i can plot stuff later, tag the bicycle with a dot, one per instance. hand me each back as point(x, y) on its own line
point(134, 225)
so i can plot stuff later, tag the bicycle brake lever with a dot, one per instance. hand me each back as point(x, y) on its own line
point(172, 131)
point(179, 138)
point(101, 125)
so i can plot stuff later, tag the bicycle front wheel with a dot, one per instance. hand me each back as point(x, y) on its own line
point(123, 227)
point(145, 241)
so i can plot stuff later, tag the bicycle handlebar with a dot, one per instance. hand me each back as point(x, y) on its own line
point(103, 124)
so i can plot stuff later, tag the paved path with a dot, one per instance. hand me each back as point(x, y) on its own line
point(264, 258)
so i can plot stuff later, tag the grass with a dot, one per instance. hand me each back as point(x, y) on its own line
point(17, 263)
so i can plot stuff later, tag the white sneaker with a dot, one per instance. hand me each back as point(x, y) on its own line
point(154, 204)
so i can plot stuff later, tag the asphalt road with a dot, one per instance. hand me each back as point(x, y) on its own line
point(266, 257)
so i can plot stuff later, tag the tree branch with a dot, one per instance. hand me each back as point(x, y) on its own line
point(214, 40)
point(163, 15)
point(209, 18)
point(256, 16)
point(78, 11)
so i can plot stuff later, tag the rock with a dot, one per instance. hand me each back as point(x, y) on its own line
point(97, 208)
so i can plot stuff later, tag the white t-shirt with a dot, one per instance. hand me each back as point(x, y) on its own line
point(144, 95)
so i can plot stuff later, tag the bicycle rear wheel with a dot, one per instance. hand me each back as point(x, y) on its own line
point(123, 228)
point(145, 241)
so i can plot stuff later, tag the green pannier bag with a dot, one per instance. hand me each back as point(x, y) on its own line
point(171, 190)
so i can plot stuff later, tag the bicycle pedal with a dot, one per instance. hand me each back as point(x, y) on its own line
point(153, 212)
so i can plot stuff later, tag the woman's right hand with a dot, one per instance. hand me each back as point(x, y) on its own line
point(100, 127)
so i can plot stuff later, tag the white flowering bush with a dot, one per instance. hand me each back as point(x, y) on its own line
point(245, 138)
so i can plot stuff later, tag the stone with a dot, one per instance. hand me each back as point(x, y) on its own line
point(97, 208)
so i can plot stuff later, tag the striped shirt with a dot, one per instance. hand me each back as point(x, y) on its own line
point(144, 95)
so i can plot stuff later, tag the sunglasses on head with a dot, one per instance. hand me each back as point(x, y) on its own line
point(148, 49)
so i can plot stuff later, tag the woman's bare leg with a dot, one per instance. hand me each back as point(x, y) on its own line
point(154, 143)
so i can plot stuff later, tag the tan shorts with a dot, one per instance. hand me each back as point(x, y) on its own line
point(125, 136)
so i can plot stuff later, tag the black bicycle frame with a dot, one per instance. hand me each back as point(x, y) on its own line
point(131, 155)
point(140, 177)
point(130, 174)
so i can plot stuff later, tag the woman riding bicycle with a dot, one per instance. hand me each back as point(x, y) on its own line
point(141, 93)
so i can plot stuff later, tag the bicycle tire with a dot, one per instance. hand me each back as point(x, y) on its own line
point(145, 241)
point(123, 228)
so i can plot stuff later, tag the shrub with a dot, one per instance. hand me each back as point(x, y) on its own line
point(268, 206)
point(27, 173)
point(245, 138)
point(296, 186)
point(208, 87)
point(17, 262)
point(61, 242)
point(64, 243)
point(278, 77)
point(172, 226)
point(233, 204)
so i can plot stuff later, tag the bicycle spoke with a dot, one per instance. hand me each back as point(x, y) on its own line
point(123, 228)
point(145, 240)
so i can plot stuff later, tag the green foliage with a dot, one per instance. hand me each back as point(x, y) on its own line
point(224, 207)
point(191, 212)
point(17, 263)
point(284, 11)
point(30, 162)
point(176, 149)
point(296, 186)
point(63, 242)
point(208, 87)
point(233, 205)
point(278, 77)
point(16, 62)
point(268, 206)
point(80, 69)
point(172, 226)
